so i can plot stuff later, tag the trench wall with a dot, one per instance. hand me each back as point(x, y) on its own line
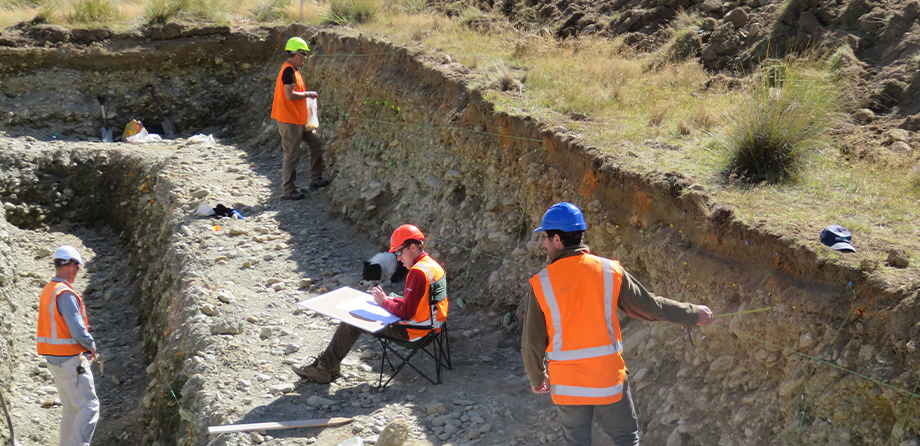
point(7, 268)
point(409, 141)
point(43, 186)
point(414, 144)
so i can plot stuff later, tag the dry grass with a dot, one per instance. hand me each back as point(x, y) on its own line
point(351, 12)
point(273, 11)
point(130, 13)
point(634, 102)
point(93, 12)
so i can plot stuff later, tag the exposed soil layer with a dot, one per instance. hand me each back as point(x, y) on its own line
point(408, 141)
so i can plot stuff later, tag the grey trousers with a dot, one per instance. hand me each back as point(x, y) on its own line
point(291, 137)
point(345, 337)
point(80, 404)
point(618, 420)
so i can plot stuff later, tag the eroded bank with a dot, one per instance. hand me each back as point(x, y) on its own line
point(408, 139)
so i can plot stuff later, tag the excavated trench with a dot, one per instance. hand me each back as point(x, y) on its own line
point(835, 361)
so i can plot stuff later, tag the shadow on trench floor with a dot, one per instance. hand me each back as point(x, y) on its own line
point(111, 303)
point(251, 278)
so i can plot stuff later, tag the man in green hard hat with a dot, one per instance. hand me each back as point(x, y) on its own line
point(290, 110)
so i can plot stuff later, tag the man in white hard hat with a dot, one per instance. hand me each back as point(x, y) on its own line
point(289, 108)
point(65, 342)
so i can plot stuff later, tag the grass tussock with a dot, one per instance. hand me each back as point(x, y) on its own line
point(408, 7)
point(683, 42)
point(789, 109)
point(273, 11)
point(85, 12)
point(160, 12)
point(351, 12)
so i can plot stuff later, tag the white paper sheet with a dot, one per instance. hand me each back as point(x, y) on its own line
point(364, 306)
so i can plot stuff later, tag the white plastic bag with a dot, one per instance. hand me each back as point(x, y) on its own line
point(312, 116)
point(205, 210)
point(143, 136)
point(205, 141)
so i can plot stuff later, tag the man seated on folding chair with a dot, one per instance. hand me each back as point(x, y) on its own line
point(413, 308)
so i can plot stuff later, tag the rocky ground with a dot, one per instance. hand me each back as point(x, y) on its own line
point(878, 42)
point(255, 271)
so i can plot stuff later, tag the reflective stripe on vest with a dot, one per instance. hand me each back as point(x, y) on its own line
point(48, 339)
point(283, 110)
point(591, 392)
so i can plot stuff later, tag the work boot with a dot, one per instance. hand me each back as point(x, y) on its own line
point(296, 195)
point(322, 182)
point(317, 372)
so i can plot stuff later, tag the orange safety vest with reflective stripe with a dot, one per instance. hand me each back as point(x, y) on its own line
point(578, 296)
point(53, 337)
point(436, 291)
point(283, 110)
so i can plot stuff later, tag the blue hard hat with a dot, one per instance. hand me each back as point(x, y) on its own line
point(565, 217)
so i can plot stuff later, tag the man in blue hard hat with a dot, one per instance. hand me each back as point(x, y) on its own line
point(289, 108)
point(571, 323)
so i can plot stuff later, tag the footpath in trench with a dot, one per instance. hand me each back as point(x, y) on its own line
point(253, 272)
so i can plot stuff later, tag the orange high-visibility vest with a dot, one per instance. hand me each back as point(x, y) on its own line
point(53, 337)
point(283, 110)
point(578, 296)
point(435, 293)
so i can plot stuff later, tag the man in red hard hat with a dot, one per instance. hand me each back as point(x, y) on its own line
point(571, 323)
point(289, 108)
point(425, 283)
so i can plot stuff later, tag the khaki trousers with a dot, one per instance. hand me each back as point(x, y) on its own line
point(291, 137)
point(78, 397)
point(345, 337)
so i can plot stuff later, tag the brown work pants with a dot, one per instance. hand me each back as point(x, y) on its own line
point(345, 337)
point(291, 137)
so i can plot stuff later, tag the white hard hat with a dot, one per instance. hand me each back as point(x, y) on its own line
point(68, 252)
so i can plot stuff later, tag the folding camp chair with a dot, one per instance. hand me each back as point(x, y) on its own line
point(435, 344)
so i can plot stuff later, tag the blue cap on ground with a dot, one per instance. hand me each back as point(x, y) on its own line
point(565, 217)
point(837, 237)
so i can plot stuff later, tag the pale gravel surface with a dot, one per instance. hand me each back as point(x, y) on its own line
point(246, 376)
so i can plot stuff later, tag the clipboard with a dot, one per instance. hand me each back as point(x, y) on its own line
point(326, 304)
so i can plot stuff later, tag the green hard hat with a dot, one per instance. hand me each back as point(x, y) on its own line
point(296, 43)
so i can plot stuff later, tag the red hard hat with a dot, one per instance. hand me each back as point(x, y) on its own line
point(403, 233)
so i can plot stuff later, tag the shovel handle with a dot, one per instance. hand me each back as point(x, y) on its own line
point(105, 121)
point(155, 100)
